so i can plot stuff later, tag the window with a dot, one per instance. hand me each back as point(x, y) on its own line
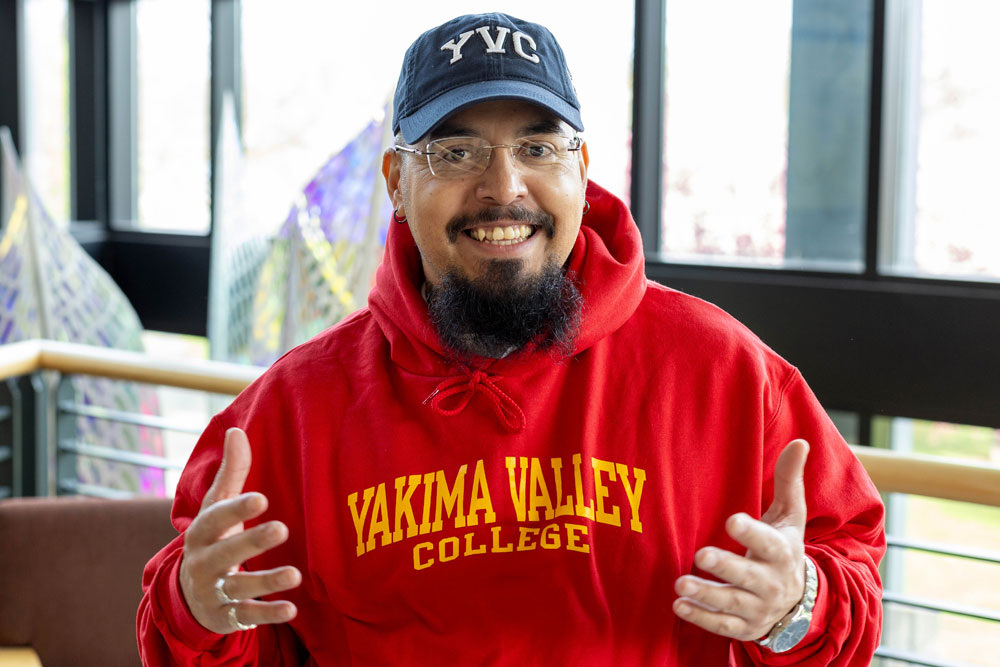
point(160, 85)
point(46, 104)
point(940, 167)
point(766, 132)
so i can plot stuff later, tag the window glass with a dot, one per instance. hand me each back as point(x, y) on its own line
point(46, 103)
point(766, 132)
point(316, 73)
point(942, 106)
point(848, 423)
point(958, 581)
point(171, 118)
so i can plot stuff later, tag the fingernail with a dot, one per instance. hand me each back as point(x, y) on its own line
point(689, 588)
point(683, 609)
point(709, 559)
point(739, 524)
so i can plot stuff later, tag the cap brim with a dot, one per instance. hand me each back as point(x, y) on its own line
point(426, 118)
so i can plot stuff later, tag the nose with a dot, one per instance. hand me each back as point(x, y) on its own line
point(503, 182)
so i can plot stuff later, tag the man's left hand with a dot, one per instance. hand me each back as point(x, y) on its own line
point(761, 587)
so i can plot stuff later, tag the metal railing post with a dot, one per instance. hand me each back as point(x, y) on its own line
point(67, 462)
point(28, 459)
point(41, 414)
point(10, 454)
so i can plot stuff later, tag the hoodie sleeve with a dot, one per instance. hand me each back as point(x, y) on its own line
point(167, 632)
point(844, 537)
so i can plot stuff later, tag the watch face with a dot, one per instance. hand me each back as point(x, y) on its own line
point(790, 635)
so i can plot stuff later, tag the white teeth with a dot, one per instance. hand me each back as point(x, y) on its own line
point(502, 235)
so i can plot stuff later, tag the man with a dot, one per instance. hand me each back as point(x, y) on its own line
point(522, 451)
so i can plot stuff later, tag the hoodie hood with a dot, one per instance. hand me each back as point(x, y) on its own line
point(606, 260)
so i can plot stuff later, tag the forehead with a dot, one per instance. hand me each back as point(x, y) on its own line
point(500, 117)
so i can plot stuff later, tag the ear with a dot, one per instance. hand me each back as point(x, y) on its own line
point(391, 171)
point(584, 163)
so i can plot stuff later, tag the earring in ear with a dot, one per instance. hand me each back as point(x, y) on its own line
point(586, 206)
point(396, 218)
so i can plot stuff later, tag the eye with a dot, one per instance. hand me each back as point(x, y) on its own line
point(537, 150)
point(454, 152)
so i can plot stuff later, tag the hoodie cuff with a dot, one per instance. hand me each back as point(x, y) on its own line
point(176, 614)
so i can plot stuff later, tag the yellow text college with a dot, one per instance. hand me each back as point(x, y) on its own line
point(416, 505)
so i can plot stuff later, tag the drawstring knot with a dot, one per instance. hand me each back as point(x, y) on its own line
point(466, 386)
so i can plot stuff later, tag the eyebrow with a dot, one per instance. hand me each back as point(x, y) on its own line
point(449, 130)
point(547, 126)
point(544, 126)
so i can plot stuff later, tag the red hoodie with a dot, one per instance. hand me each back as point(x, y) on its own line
point(532, 510)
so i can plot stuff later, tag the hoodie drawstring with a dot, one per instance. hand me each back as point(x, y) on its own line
point(506, 409)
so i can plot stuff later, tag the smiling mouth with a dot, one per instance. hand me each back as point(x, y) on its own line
point(508, 235)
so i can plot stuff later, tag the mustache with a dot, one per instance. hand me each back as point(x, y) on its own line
point(496, 213)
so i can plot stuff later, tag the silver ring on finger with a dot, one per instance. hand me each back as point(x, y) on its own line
point(220, 591)
point(236, 622)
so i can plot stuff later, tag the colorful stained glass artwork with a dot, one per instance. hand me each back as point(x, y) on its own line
point(51, 288)
point(317, 266)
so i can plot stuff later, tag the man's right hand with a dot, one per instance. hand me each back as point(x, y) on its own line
point(215, 545)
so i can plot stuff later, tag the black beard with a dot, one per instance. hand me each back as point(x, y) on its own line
point(503, 311)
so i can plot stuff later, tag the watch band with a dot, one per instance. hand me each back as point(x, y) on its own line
point(790, 630)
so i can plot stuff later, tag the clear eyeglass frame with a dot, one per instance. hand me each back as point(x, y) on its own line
point(534, 152)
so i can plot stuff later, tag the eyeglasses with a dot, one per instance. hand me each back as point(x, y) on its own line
point(456, 157)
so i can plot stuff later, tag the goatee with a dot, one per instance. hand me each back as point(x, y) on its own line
point(501, 311)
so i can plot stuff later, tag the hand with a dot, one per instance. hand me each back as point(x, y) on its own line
point(769, 581)
point(215, 545)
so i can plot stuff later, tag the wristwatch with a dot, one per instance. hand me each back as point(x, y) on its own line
point(790, 630)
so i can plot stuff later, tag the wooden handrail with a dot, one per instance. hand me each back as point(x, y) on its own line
point(935, 476)
point(891, 471)
point(213, 376)
point(19, 358)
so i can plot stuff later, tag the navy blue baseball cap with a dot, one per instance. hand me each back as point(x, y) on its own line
point(477, 58)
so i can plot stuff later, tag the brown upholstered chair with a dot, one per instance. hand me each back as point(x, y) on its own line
point(70, 576)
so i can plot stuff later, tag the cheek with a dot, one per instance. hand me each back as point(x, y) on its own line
point(565, 236)
point(571, 212)
point(566, 239)
point(428, 215)
point(432, 198)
